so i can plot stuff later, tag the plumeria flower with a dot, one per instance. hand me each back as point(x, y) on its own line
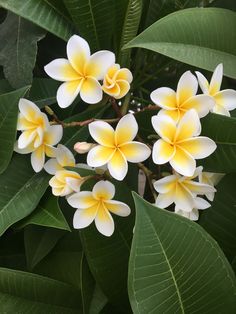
point(212, 179)
point(199, 204)
point(51, 137)
point(65, 182)
point(97, 206)
point(175, 104)
point(117, 81)
point(81, 72)
point(180, 143)
point(32, 122)
point(182, 191)
point(116, 147)
point(224, 100)
point(63, 158)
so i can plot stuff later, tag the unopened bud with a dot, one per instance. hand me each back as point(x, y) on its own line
point(83, 147)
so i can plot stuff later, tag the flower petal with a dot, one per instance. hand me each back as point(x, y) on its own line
point(162, 152)
point(26, 138)
point(165, 127)
point(103, 189)
point(78, 53)
point(126, 129)
point(99, 156)
point(84, 217)
point(226, 98)
point(124, 74)
point(124, 88)
point(166, 184)
point(64, 156)
point(61, 70)
point(183, 162)
point(216, 80)
point(183, 198)
point(118, 208)
point(52, 166)
point(221, 110)
point(165, 200)
point(203, 82)
point(135, 151)
point(187, 87)
point(91, 91)
point(28, 149)
point(53, 135)
point(74, 184)
point(29, 110)
point(117, 166)
point(173, 114)
point(38, 158)
point(67, 92)
point(188, 126)
point(200, 203)
point(164, 97)
point(199, 147)
point(192, 215)
point(99, 63)
point(104, 222)
point(201, 103)
point(102, 133)
point(82, 200)
point(50, 151)
point(198, 188)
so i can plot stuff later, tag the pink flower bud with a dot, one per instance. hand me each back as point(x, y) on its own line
point(83, 147)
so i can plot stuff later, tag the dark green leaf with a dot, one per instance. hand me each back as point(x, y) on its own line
point(98, 302)
point(176, 267)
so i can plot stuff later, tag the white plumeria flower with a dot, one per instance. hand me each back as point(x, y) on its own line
point(182, 191)
point(51, 137)
point(224, 100)
point(97, 205)
point(211, 179)
point(175, 104)
point(64, 158)
point(180, 144)
point(81, 72)
point(117, 81)
point(116, 147)
point(65, 182)
point(32, 122)
point(199, 204)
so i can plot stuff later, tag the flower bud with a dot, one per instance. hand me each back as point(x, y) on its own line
point(83, 147)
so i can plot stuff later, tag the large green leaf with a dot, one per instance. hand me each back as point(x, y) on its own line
point(44, 13)
point(176, 267)
point(27, 293)
point(8, 122)
point(220, 219)
point(43, 91)
point(18, 50)
point(94, 20)
point(20, 191)
point(193, 36)
point(222, 130)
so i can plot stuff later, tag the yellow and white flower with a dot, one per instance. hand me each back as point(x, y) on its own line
point(116, 147)
point(180, 143)
point(224, 100)
point(182, 191)
point(64, 158)
point(81, 72)
point(32, 122)
point(199, 204)
point(50, 138)
point(212, 179)
point(65, 182)
point(117, 81)
point(175, 104)
point(97, 206)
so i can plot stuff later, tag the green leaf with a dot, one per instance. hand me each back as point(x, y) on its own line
point(193, 36)
point(176, 267)
point(8, 122)
point(22, 292)
point(130, 28)
point(98, 301)
point(82, 170)
point(108, 257)
point(42, 13)
point(220, 219)
point(47, 214)
point(222, 130)
point(94, 20)
point(18, 50)
point(20, 191)
point(39, 241)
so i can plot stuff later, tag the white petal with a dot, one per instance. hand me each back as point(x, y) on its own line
point(135, 151)
point(91, 91)
point(29, 109)
point(53, 135)
point(64, 156)
point(164, 97)
point(164, 200)
point(102, 133)
point(203, 82)
point(183, 163)
point(74, 183)
point(52, 166)
point(26, 138)
point(162, 152)
point(187, 87)
point(118, 208)
point(126, 129)
point(216, 79)
point(82, 200)
point(188, 126)
point(165, 127)
point(61, 70)
point(226, 98)
point(99, 156)
point(25, 150)
point(117, 166)
point(221, 110)
point(104, 189)
point(201, 103)
point(38, 159)
point(104, 222)
point(99, 63)
point(183, 198)
point(83, 218)
point(165, 184)
point(197, 187)
point(199, 147)
point(200, 203)
point(67, 92)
